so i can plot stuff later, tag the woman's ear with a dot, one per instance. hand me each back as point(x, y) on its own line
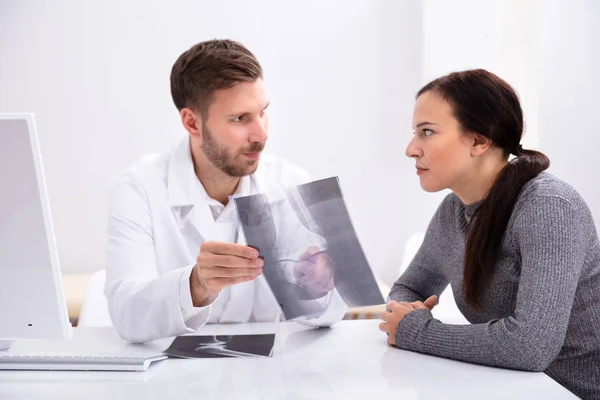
point(479, 144)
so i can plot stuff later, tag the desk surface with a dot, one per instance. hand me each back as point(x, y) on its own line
point(348, 361)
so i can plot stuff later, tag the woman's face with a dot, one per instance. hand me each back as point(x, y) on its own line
point(442, 151)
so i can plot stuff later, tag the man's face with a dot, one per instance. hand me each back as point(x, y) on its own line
point(235, 130)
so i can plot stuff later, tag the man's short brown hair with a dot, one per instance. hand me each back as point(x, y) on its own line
point(207, 67)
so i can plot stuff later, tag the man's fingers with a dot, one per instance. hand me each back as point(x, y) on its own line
point(383, 327)
point(307, 273)
point(224, 272)
point(228, 261)
point(308, 253)
point(223, 282)
point(303, 269)
point(431, 302)
point(323, 272)
point(231, 249)
point(307, 281)
point(330, 284)
point(313, 277)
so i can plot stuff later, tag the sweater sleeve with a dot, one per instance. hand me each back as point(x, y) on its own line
point(424, 276)
point(550, 236)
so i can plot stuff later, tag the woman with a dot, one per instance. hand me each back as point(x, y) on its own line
point(517, 245)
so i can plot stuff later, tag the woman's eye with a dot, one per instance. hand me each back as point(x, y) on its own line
point(427, 132)
point(237, 119)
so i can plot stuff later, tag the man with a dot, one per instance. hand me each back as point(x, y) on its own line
point(175, 259)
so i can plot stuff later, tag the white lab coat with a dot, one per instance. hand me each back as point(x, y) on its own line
point(158, 215)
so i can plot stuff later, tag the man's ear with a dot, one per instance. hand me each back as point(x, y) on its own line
point(191, 121)
point(479, 144)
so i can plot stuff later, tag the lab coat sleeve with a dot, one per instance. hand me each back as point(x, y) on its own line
point(335, 312)
point(143, 305)
point(194, 317)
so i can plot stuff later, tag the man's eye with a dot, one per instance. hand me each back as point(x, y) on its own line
point(237, 119)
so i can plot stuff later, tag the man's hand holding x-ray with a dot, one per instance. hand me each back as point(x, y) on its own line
point(313, 271)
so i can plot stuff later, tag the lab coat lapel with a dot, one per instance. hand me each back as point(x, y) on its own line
point(189, 201)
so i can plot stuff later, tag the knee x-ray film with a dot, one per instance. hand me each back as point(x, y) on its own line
point(309, 246)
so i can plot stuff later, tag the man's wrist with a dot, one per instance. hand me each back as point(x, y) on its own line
point(198, 289)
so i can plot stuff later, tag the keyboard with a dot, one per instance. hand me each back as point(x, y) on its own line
point(77, 362)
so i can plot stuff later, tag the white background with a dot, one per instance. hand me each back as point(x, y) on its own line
point(341, 76)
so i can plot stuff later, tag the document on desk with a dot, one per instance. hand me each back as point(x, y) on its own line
point(218, 346)
point(309, 246)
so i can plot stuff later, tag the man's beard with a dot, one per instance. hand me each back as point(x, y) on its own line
point(231, 165)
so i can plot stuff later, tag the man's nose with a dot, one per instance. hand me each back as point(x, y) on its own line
point(259, 131)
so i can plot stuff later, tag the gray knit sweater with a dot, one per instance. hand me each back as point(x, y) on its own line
point(542, 309)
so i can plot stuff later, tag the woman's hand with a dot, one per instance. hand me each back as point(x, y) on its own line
point(397, 311)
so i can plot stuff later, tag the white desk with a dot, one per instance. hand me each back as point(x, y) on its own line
point(349, 361)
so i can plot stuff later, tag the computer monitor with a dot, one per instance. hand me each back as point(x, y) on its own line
point(32, 304)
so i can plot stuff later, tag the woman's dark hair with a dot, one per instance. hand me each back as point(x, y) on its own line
point(485, 104)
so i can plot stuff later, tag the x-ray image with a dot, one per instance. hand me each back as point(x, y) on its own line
point(309, 246)
point(222, 346)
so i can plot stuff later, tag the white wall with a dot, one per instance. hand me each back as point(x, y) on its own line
point(341, 77)
point(569, 90)
point(549, 51)
point(95, 73)
point(498, 35)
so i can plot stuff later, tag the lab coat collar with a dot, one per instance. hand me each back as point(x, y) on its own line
point(182, 178)
point(189, 200)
